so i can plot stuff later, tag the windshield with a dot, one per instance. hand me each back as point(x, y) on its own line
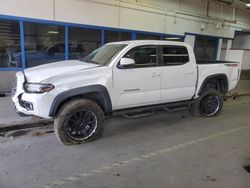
point(105, 54)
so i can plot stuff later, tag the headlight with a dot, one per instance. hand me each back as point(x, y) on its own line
point(38, 88)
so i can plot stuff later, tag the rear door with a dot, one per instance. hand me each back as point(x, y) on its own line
point(138, 85)
point(179, 74)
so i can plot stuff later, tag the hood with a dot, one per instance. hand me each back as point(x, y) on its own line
point(43, 72)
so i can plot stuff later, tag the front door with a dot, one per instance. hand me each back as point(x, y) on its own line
point(138, 85)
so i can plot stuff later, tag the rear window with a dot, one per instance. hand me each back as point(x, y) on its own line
point(175, 55)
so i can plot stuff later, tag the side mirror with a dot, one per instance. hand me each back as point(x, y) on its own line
point(126, 63)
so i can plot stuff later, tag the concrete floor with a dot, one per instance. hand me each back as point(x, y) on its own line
point(165, 150)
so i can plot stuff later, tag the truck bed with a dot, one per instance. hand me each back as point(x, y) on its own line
point(208, 68)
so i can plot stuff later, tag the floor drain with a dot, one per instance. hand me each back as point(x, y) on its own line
point(247, 168)
point(25, 126)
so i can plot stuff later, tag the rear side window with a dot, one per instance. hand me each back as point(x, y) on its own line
point(144, 56)
point(175, 55)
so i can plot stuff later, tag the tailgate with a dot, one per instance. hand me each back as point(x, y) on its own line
point(234, 70)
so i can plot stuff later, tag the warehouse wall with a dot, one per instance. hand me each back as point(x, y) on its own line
point(166, 16)
point(241, 42)
point(246, 60)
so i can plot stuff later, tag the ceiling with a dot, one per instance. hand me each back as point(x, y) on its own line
point(246, 1)
point(235, 3)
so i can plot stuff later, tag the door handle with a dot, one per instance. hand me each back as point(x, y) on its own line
point(154, 74)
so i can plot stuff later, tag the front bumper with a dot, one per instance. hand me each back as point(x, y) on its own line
point(28, 103)
point(18, 112)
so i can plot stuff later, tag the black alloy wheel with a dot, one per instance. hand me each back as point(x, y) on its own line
point(81, 125)
point(79, 121)
point(209, 105)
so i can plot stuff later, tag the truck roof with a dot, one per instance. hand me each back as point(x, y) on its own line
point(148, 42)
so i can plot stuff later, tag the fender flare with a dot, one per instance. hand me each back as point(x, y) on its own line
point(220, 76)
point(102, 92)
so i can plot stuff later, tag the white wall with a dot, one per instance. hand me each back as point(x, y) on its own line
point(235, 55)
point(242, 56)
point(28, 8)
point(246, 60)
point(164, 16)
point(223, 55)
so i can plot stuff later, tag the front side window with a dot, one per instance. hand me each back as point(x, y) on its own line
point(175, 55)
point(144, 56)
point(105, 54)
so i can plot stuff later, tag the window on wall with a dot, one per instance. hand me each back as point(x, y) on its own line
point(205, 48)
point(10, 48)
point(147, 37)
point(43, 43)
point(112, 36)
point(83, 41)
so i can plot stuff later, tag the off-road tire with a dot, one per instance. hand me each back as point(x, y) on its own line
point(70, 107)
point(196, 106)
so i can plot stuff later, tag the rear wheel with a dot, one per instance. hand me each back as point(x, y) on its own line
point(209, 104)
point(78, 121)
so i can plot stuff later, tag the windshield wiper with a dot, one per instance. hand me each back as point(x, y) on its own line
point(81, 59)
point(89, 61)
point(92, 61)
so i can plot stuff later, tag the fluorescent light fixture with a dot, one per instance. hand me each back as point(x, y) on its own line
point(53, 32)
point(172, 38)
point(248, 5)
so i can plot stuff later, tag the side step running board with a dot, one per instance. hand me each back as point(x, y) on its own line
point(139, 112)
point(176, 109)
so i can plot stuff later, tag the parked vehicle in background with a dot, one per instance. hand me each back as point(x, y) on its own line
point(10, 57)
point(56, 52)
point(122, 77)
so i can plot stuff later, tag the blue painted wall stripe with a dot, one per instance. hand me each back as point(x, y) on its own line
point(103, 37)
point(11, 69)
point(66, 42)
point(22, 44)
point(207, 36)
point(133, 36)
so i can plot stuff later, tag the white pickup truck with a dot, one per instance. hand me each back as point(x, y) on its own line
point(122, 77)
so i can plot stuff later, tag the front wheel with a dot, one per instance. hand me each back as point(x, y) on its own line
point(78, 121)
point(209, 104)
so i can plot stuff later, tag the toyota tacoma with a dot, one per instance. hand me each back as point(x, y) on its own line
point(122, 77)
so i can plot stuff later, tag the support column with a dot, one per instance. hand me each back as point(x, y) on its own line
point(229, 46)
point(219, 49)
